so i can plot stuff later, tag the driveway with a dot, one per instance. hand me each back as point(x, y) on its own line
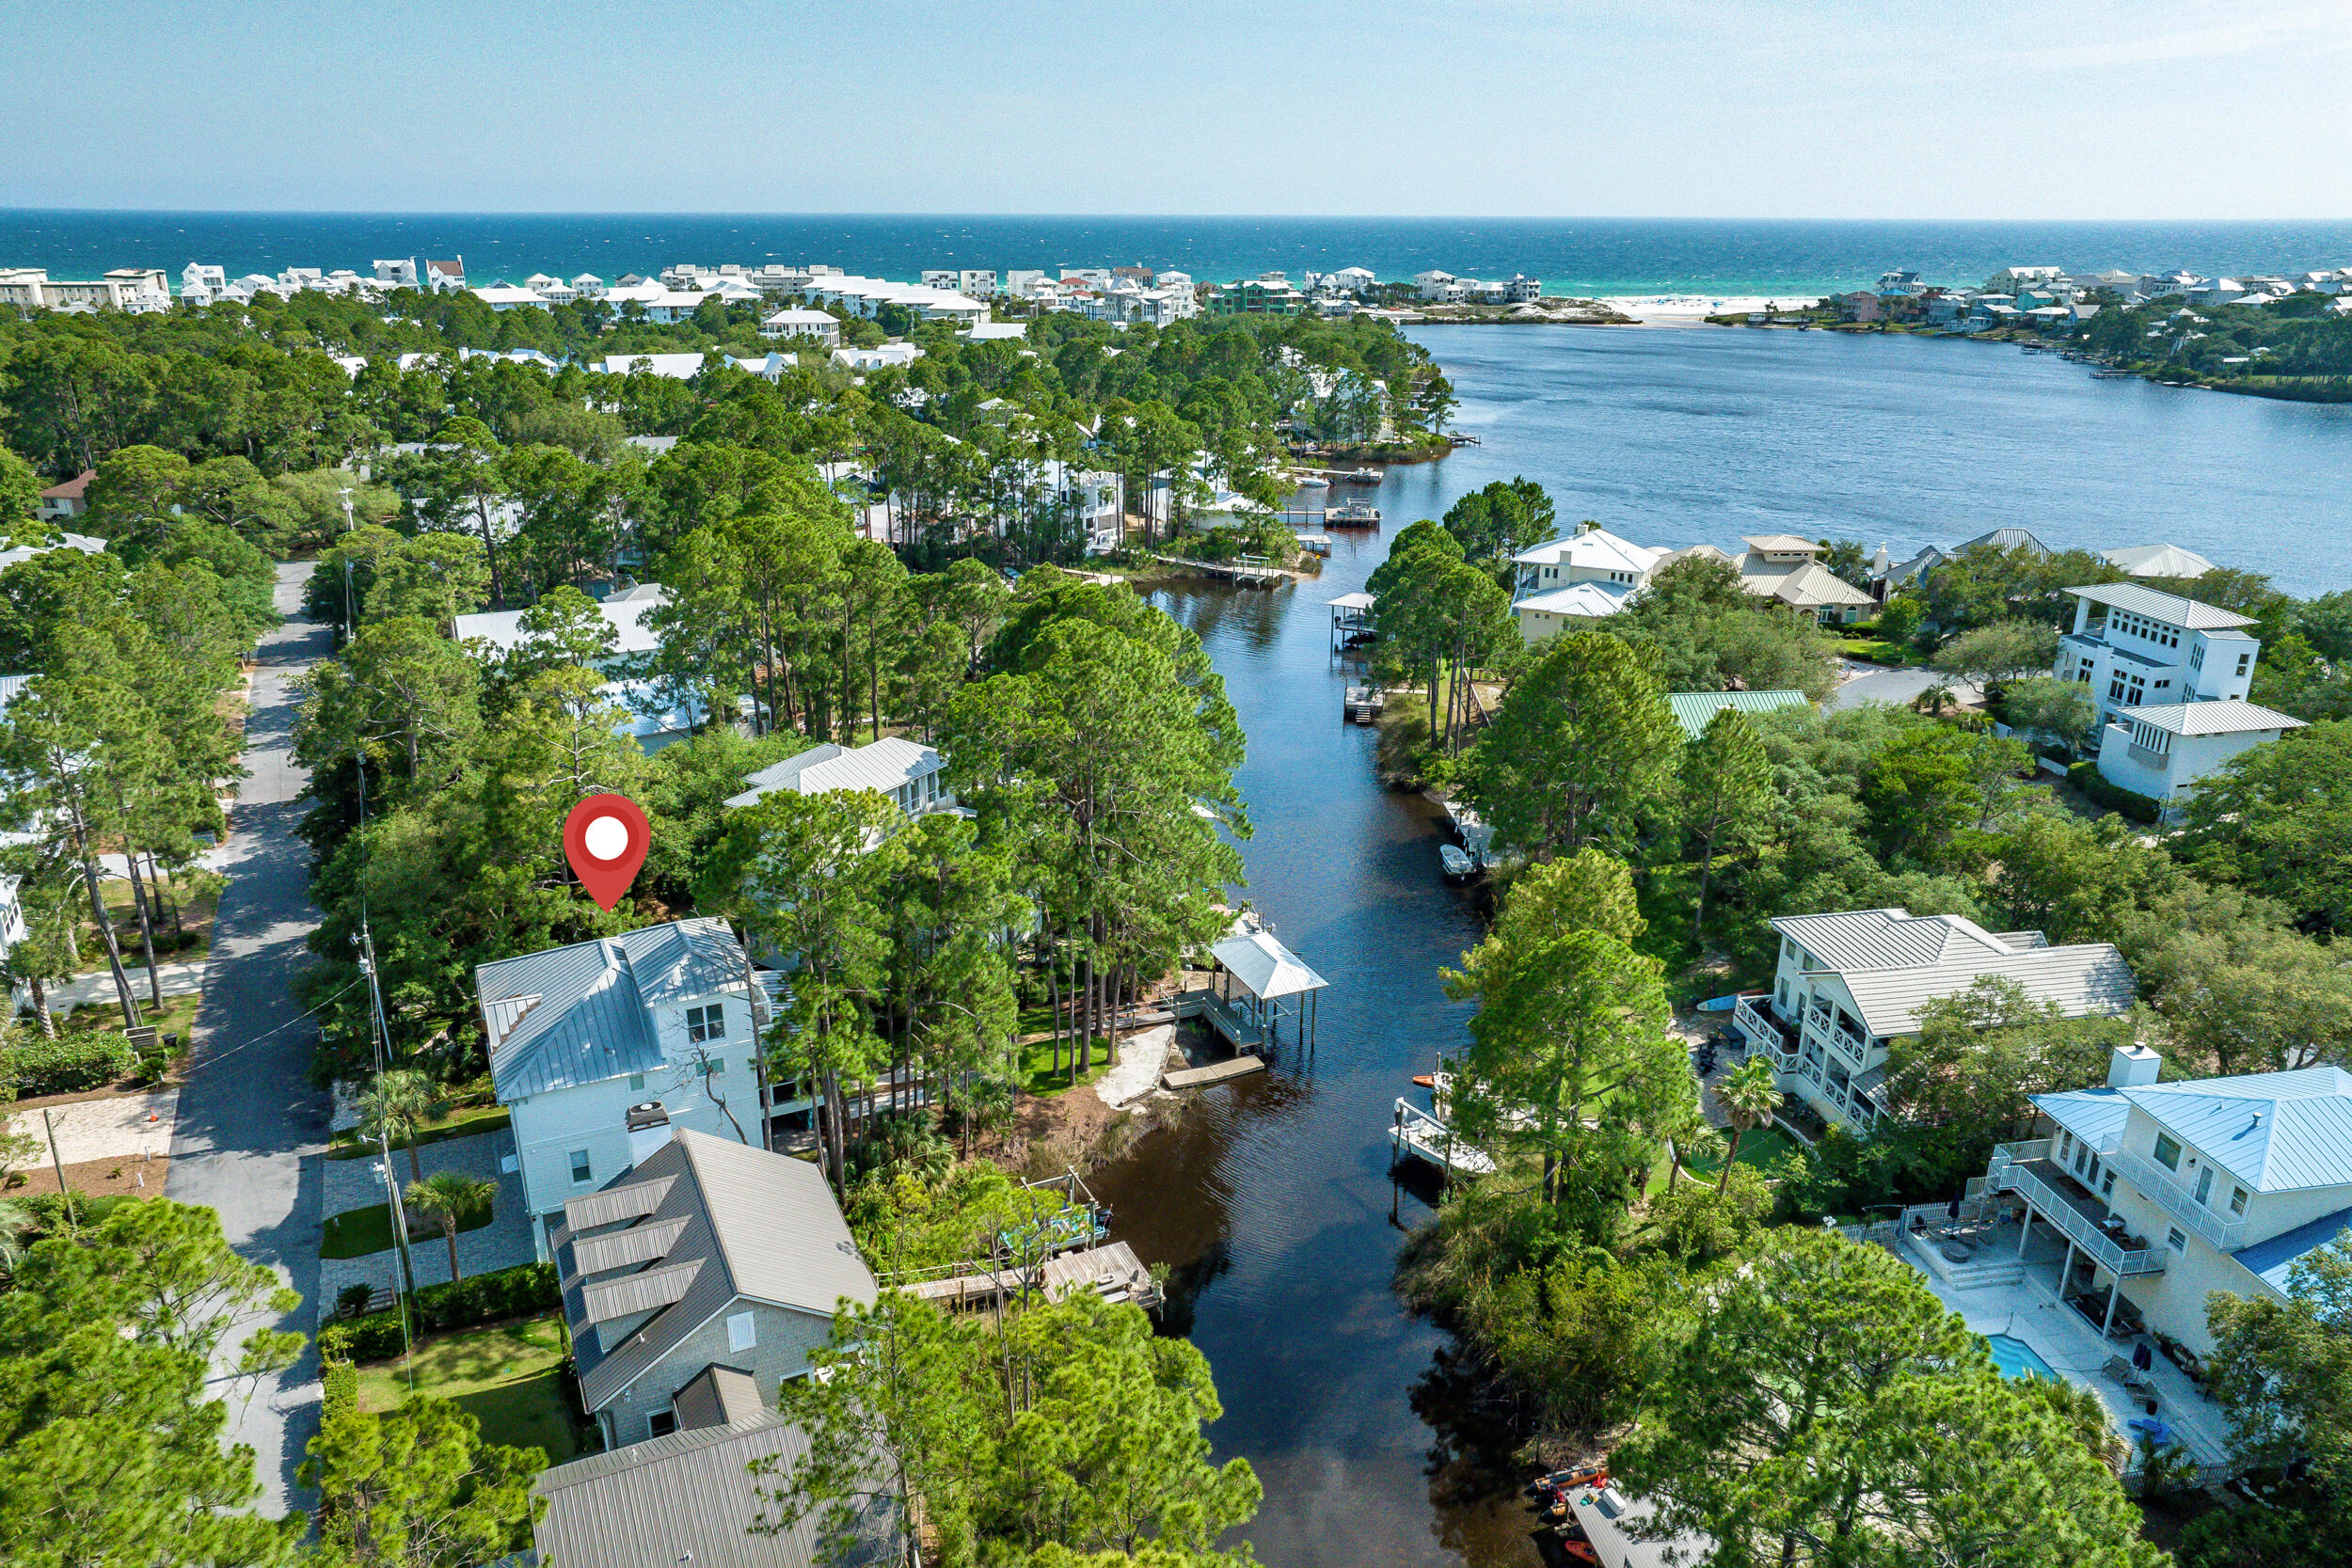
point(250, 1127)
point(1870, 683)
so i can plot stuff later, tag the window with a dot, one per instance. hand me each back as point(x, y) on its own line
point(2204, 1184)
point(2176, 1241)
point(2197, 657)
point(661, 1423)
point(636, 1080)
point(742, 1331)
point(2066, 1146)
point(2107, 1188)
point(2243, 659)
point(2237, 1200)
point(2167, 1151)
point(718, 1065)
point(580, 1171)
point(707, 1023)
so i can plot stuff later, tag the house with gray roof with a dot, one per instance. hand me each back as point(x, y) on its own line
point(2136, 648)
point(910, 773)
point(1849, 985)
point(2162, 752)
point(2168, 1192)
point(599, 1048)
point(698, 1281)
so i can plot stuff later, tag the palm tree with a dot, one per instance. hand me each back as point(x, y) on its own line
point(396, 1107)
point(1749, 1095)
point(2080, 1411)
point(450, 1197)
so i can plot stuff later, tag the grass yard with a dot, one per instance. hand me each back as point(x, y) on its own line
point(1872, 651)
point(504, 1375)
point(1037, 1075)
point(356, 1232)
point(1759, 1147)
point(462, 1122)
point(197, 906)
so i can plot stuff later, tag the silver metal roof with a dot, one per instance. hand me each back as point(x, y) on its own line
point(762, 1226)
point(590, 1022)
point(691, 1497)
point(1894, 963)
point(2275, 1131)
point(717, 1396)
point(615, 1204)
point(638, 1243)
point(632, 1293)
point(2171, 608)
point(1267, 968)
point(2223, 718)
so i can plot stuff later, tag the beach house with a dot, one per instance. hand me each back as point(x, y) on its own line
point(2162, 751)
point(908, 772)
point(599, 1048)
point(2168, 1192)
point(699, 1281)
point(1849, 985)
point(1783, 567)
point(2135, 647)
point(1584, 576)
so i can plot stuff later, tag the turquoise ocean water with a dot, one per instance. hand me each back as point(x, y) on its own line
point(1581, 256)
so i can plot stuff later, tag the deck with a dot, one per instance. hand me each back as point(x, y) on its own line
point(1417, 1133)
point(1112, 1272)
point(1215, 1072)
point(1249, 574)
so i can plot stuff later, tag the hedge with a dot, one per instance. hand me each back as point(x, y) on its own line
point(2095, 785)
point(516, 1292)
point(339, 1387)
point(67, 1065)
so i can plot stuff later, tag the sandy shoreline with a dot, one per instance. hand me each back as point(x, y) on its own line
point(1691, 309)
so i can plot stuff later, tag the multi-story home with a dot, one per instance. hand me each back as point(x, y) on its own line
point(1584, 576)
point(909, 773)
point(2168, 1192)
point(706, 1273)
point(1849, 985)
point(594, 1045)
point(2135, 647)
point(1272, 294)
point(796, 322)
point(1783, 568)
point(2162, 752)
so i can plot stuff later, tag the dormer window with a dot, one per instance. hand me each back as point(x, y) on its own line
point(707, 1023)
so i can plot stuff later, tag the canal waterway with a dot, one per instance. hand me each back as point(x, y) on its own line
point(1272, 1201)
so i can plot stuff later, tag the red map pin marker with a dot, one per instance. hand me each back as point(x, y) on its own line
point(606, 838)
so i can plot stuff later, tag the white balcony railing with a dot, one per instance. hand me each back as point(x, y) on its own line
point(2227, 1235)
point(2079, 1228)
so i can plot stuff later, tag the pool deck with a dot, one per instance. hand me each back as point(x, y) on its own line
point(2029, 1311)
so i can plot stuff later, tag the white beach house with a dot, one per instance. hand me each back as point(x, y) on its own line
point(1849, 985)
point(2135, 647)
point(1585, 576)
point(2162, 751)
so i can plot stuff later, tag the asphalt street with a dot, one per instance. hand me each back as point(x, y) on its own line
point(251, 1130)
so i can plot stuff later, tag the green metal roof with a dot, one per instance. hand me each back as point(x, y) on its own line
point(1693, 710)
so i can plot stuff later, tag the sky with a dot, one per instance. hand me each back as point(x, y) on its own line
point(2061, 109)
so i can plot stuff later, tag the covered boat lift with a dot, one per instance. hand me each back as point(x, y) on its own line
point(1255, 977)
point(1351, 619)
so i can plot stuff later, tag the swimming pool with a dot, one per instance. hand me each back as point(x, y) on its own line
point(2016, 1359)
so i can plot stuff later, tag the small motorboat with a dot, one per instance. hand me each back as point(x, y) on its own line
point(1424, 1080)
point(1353, 515)
point(1564, 1481)
point(1457, 862)
point(1314, 481)
point(1361, 476)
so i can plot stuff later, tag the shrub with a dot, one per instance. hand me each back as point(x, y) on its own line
point(338, 1388)
point(522, 1291)
point(2095, 787)
point(67, 1065)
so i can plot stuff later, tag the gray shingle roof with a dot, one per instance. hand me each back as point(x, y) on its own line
point(759, 1226)
point(2171, 608)
point(1894, 963)
point(578, 1014)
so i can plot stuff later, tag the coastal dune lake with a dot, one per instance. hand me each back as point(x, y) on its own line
point(1271, 1201)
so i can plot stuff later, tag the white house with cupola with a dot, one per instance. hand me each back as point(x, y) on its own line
point(2168, 1192)
point(1849, 985)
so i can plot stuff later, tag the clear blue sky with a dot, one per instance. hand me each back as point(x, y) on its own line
point(1793, 108)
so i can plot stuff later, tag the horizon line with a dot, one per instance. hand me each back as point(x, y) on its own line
point(1121, 217)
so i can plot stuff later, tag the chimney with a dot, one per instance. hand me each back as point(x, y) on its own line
point(649, 1129)
point(2133, 1066)
point(1587, 526)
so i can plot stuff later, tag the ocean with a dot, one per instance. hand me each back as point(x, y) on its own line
point(1572, 256)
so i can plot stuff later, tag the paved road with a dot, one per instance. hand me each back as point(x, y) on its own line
point(251, 1128)
point(1875, 684)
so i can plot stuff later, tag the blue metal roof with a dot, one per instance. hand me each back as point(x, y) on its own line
point(2275, 1131)
point(2094, 1116)
point(579, 1014)
point(2273, 1260)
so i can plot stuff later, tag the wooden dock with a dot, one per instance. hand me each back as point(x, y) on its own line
point(1417, 1133)
point(1249, 574)
point(1215, 1072)
point(1363, 704)
point(1112, 1272)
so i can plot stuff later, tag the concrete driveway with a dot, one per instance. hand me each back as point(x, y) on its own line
point(250, 1127)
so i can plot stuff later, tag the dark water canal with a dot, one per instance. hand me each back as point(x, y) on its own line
point(1272, 1201)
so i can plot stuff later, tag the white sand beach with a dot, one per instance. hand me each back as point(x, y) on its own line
point(1692, 309)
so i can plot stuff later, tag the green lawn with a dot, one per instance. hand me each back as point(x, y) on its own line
point(503, 1375)
point(356, 1232)
point(1037, 1075)
point(1758, 1147)
point(1870, 650)
point(463, 1122)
